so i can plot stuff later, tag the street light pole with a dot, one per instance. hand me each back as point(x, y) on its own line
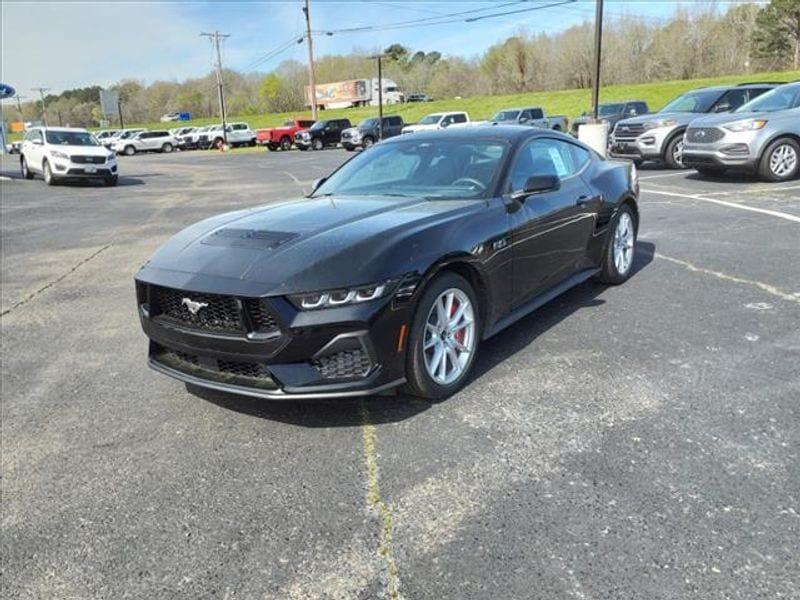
point(598, 38)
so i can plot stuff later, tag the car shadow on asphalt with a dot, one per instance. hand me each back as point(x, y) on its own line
point(378, 410)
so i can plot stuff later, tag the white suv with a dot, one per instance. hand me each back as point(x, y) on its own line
point(438, 121)
point(239, 134)
point(146, 141)
point(65, 153)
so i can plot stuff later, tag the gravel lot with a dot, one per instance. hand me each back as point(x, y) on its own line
point(633, 442)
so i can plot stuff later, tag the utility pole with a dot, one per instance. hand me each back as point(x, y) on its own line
point(215, 37)
point(41, 91)
point(311, 80)
point(379, 57)
point(17, 97)
point(598, 39)
point(119, 112)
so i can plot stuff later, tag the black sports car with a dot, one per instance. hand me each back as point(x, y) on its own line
point(392, 270)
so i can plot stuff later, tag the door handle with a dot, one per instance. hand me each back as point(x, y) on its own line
point(582, 201)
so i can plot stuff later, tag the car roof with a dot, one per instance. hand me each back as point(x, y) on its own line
point(510, 133)
point(74, 129)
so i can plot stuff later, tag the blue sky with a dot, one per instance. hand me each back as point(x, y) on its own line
point(70, 43)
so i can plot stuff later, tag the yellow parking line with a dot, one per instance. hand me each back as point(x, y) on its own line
point(764, 287)
point(375, 503)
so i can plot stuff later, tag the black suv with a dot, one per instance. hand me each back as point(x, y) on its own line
point(321, 134)
point(612, 113)
point(366, 133)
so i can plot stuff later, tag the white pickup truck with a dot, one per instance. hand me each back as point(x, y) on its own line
point(532, 116)
point(438, 121)
point(238, 134)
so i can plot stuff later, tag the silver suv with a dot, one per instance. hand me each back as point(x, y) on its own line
point(659, 136)
point(763, 136)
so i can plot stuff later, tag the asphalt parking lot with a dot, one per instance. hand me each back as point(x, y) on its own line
point(641, 441)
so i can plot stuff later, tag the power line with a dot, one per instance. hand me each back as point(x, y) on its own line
point(514, 12)
point(296, 39)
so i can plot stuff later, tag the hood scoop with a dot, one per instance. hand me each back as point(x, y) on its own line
point(253, 239)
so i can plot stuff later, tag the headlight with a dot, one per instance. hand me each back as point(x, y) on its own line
point(659, 123)
point(111, 157)
point(746, 125)
point(57, 154)
point(343, 297)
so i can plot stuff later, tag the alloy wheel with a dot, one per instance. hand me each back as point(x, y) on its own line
point(677, 153)
point(624, 239)
point(450, 336)
point(783, 160)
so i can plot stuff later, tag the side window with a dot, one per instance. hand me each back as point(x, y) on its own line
point(580, 156)
point(542, 156)
point(756, 92)
point(537, 113)
point(641, 108)
point(447, 120)
point(731, 100)
point(526, 115)
point(460, 118)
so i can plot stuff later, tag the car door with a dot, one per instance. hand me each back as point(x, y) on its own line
point(550, 231)
point(33, 147)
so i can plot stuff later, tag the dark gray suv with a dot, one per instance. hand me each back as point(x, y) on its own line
point(366, 132)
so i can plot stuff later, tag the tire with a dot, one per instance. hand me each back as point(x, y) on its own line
point(272, 147)
point(252, 143)
point(26, 172)
point(710, 171)
point(167, 148)
point(617, 269)
point(421, 362)
point(47, 173)
point(672, 155)
point(317, 144)
point(780, 161)
point(217, 143)
point(286, 144)
point(349, 148)
point(638, 163)
point(129, 151)
point(557, 128)
point(111, 181)
point(368, 142)
point(302, 148)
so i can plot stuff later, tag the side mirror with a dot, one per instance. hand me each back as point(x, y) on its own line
point(445, 124)
point(317, 182)
point(523, 119)
point(37, 142)
point(536, 185)
point(722, 108)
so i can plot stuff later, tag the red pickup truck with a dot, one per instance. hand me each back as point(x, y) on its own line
point(282, 137)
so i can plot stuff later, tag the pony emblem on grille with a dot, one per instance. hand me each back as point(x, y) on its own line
point(192, 306)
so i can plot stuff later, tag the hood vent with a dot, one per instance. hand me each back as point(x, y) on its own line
point(254, 239)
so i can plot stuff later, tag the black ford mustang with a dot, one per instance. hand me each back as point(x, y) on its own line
point(394, 268)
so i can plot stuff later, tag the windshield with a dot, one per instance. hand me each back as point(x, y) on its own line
point(605, 110)
point(506, 115)
point(693, 102)
point(368, 123)
point(431, 170)
point(318, 125)
point(430, 119)
point(781, 98)
point(70, 138)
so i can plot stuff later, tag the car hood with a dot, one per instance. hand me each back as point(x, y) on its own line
point(683, 118)
point(298, 246)
point(720, 119)
point(81, 150)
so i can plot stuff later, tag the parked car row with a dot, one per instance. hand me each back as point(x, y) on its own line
point(752, 127)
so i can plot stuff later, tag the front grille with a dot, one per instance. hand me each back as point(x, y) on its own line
point(347, 364)
point(232, 372)
point(88, 160)
point(629, 130)
point(79, 172)
point(213, 312)
point(704, 135)
point(346, 135)
point(696, 159)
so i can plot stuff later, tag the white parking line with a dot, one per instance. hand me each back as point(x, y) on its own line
point(763, 211)
point(645, 177)
point(757, 190)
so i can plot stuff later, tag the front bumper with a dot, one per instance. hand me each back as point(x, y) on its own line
point(648, 145)
point(728, 150)
point(330, 353)
point(72, 170)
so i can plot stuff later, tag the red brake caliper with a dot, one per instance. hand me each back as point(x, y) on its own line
point(458, 335)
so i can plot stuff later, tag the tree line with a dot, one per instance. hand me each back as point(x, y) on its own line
point(693, 43)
